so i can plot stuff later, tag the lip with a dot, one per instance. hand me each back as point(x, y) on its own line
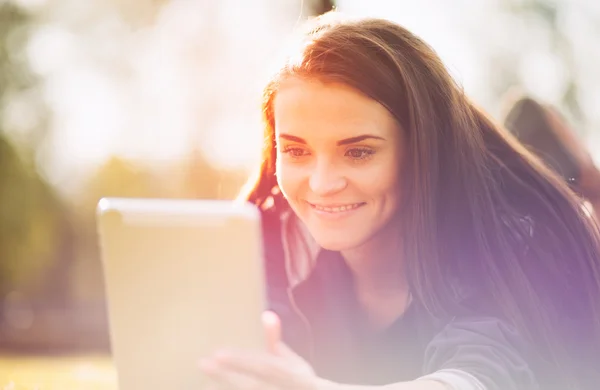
point(335, 210)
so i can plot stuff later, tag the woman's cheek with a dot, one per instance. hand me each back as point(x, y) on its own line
point(288, 180)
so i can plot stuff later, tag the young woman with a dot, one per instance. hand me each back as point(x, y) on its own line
point(410, 242)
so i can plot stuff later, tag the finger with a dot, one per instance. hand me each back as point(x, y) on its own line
point(213, 385)
point(224, 378)
point(272, 326)
point(286, 352)
point(232, 380)
point(267, 367)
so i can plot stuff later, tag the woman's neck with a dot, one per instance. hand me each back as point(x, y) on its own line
point(377, 265)
point(376, 271)
point(379, 279)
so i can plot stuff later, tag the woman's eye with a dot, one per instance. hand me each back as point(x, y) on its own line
point(294, 152)
point(360, 154)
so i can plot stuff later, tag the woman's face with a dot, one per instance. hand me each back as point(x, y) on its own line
point(339, 157)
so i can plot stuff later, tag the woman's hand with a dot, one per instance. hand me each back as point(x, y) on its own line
point(278, 369)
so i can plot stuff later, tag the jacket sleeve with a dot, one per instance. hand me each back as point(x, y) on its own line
point(486, 348)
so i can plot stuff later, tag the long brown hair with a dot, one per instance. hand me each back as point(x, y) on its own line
point(485, 213)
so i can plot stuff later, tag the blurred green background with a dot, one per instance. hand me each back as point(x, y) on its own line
point(159, 98)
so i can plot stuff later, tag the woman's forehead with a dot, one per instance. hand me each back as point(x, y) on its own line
point(313, 106)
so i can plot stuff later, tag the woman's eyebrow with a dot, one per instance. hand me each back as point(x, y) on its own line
point(345, 141)
point(292, 138)
point(359, 138)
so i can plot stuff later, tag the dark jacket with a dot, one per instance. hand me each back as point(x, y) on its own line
point(322, 323)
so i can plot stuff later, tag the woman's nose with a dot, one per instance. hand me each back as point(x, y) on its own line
point(325, 179)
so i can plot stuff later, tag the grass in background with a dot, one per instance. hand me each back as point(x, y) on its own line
point(57, 373)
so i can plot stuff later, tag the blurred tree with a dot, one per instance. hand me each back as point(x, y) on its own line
point(318, 7)
point(34, 230)
point(116, 178)
point(14, 24)
point(140, 13)
point(18, 85)
point(550, 13)
point(34, 227)
point(201, 180)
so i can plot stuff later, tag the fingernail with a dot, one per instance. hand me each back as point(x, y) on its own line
point(270, 318)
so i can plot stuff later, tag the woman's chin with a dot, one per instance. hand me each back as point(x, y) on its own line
point(337, 244)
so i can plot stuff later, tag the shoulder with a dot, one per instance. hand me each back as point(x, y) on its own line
point(485, 347)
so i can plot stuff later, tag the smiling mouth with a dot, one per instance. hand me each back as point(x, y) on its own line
point(336, 208)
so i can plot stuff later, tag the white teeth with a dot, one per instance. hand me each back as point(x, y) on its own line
point(337, 209)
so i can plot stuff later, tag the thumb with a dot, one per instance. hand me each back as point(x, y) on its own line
point(272, 326)
point(275, 345)
point(286, 352)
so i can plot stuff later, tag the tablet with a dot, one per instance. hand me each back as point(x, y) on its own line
point(182, 278)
